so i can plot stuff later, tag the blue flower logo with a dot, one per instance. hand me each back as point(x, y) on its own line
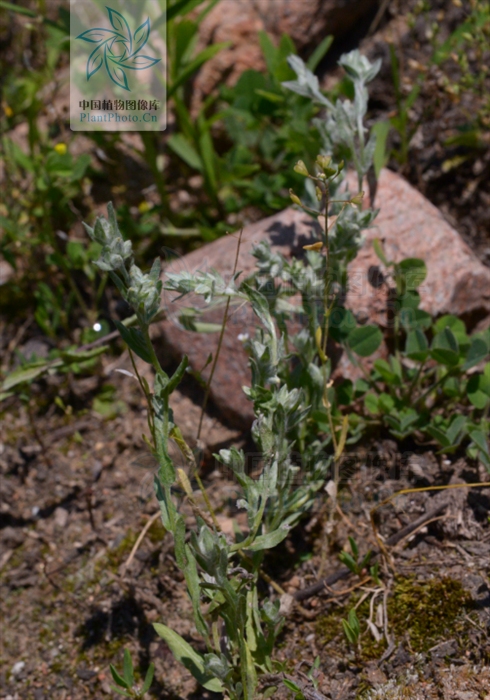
point(117, 49)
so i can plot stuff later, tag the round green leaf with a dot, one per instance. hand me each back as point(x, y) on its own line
point(386, 372)
point(345, 393)
point(371, 403)
point(451, 387)
point(409, 300)
point(341, 322)
point(477, 353)
point(416, 347)
point(412, 318)
point(450, 321)
point(365, 340)
point(360, 387)
point(478, 390)
point(480, 440)
point(457, 327)
point(414, 272)
point(386, 403)
point(445, 348)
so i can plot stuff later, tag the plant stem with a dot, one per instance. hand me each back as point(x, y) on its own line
point(220, 342)
point(151, 158)
point(431, 388)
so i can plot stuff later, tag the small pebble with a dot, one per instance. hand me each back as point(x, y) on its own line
point(18, 668)
point(60, 517)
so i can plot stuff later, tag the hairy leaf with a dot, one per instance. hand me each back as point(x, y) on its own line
point(184, 653)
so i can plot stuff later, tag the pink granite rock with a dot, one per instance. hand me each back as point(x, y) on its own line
point(287, 233)
point(239, 21)
point(409, 225)
point(412, 227)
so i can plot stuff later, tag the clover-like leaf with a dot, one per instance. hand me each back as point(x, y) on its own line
point(141, 36)
point(480, 440)
point(416, 347)
point(120, 25)
point(365, 340)
point(414, 272)
point(445, 348)
point(95, 61)
point(99, 34)
point(478, 390)
point(477, 353)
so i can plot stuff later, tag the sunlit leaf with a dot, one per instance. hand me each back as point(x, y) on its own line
point(22, 375)
point(270, 540)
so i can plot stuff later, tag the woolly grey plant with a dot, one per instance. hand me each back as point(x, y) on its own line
point(294, 426)
point(221, 575)
point(343, 130)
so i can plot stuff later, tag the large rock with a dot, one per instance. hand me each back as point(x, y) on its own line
point(239, 21)
point(409, 225)
point(287, 233)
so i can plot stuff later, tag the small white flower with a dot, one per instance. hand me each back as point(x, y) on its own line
point(242, 337)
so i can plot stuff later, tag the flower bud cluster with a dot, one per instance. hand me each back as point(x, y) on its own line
point(115, 250)
point(142, 291)
point(145, 291)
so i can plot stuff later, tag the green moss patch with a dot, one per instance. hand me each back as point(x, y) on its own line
point(421, 613)
point(427, 611)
